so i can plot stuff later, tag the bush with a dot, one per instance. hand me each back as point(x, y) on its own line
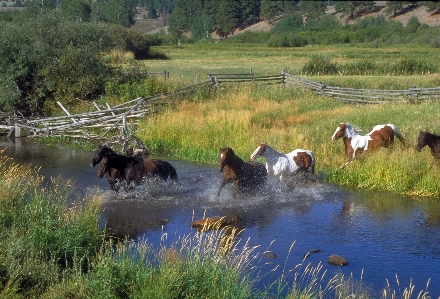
point(319, 65)
point(289, 23)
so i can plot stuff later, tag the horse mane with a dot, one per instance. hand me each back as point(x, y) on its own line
point(353, 128)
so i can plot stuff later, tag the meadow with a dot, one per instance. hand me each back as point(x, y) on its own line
point(288, 117)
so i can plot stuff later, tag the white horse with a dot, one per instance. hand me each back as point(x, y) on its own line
point(379, 136)
point(283, 165)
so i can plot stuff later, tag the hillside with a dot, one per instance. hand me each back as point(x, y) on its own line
point(424, 17)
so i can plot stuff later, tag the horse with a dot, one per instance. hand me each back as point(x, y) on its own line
point(119, 168)
point(379, 136)
point(151, 168)
point(244, 175)
point(283, 165)
point(432, 141)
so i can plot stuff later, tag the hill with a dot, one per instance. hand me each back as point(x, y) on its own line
point(420, 11)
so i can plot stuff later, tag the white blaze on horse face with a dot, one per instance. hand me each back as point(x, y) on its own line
point(336, 131)
point(255, 153)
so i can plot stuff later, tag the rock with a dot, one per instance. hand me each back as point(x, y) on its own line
point(311, 251)
point(270, 254)
point(337, 260)
point(215, 222)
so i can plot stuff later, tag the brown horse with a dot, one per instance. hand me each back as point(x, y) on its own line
point(432, 141)
point(126, 169)
point(244, 175)
point(379, 136)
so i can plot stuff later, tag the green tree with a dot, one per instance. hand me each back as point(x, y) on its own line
point(177, 23)
point(433, 6)
point(78, 10)
point(412, 25)
point(250, 13)
point(394, 6)
point(313, 9)
point(351, 9)
point(201, 27)
point(227, 19)
point(48, 58)
point(119, 12)
point(270, 9)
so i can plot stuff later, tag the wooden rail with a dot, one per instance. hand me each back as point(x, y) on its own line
point(127, 114)
point(366, 96)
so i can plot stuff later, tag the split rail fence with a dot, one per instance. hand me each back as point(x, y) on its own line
point(121, 117)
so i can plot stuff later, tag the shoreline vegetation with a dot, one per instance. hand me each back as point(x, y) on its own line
point(53, 248)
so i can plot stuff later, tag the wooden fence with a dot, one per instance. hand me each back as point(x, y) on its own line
point(227, 79)
point(121, 117)
point(86, 125)
point(366, 96)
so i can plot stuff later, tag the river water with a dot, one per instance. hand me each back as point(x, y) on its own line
point(385, 237)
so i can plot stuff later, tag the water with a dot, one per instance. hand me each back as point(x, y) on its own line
point(381, 234)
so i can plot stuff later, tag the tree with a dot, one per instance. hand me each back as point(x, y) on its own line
point(250, 13)
point(78, 10)
point(270, 9)
point(351, 9)
point(313, 9)
point(226, 17)
point(433, 6)
point(393, 7)
point(412, 25)
point(201, 27)
point(177, 23)
point(119, 12)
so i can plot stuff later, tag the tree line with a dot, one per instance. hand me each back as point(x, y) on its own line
point(224, 16)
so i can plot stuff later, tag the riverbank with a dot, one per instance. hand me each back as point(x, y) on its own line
point(288, 118)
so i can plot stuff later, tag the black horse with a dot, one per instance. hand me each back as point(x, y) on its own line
point(431, 140)
point(244, 175)
point(120, 169)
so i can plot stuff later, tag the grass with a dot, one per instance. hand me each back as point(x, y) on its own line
point(201, 59)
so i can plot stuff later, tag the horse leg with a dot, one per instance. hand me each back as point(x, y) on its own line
point(224, 182)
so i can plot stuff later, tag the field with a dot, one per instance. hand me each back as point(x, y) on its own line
point(289, 117)
point(201, 59)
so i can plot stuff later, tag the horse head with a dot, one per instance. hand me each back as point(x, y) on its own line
point(225, 157)
point(421, 140)
point(104, 167)
point(259, 151)
point(340, 131)
point(100, 152)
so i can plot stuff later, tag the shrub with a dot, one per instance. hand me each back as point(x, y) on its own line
point(319, 65)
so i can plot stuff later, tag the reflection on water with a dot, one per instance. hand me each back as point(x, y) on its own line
point(381, 234)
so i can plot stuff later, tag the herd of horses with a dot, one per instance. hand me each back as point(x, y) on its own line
point(128, 170)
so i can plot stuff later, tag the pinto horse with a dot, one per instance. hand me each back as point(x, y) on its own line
point(244, 175)
point(432, 141)
point(379, 136)
point(112, 165)
point(283, 165)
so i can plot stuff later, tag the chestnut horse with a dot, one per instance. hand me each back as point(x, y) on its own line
point(282, 165)
point(112, 165)
point(432, 141)
point(244, 175)
point(379, 136)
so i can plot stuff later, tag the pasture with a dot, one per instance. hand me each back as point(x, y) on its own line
point(289, 117)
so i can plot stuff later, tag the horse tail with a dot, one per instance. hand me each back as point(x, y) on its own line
point(398, 135)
